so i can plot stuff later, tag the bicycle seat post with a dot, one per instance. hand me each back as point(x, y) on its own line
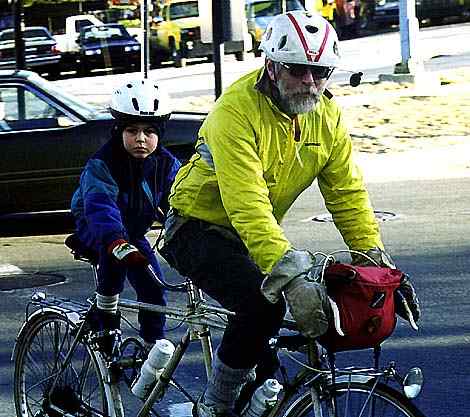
point(201, 332)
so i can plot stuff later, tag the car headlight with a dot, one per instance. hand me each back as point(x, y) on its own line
point(93, 52)
point(132, 48)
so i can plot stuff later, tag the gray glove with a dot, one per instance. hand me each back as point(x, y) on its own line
point(307, 301)
point(407, 303)
point(379, 256)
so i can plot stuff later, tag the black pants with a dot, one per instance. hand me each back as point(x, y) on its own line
point(222, 268)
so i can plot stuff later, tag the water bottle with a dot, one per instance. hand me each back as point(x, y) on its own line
point(263, 398)
point(152, 368)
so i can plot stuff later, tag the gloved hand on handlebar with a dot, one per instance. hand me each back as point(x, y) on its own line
point(307, 301)
point(407, 302)
point(127, 254)
point(378, 256)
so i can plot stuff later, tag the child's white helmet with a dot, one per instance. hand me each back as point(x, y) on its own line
point(140, 99)
point(300, 37)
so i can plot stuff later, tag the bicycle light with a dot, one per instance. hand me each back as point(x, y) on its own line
point(413, 382)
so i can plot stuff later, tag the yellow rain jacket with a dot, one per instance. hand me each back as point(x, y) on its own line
point(253, 161)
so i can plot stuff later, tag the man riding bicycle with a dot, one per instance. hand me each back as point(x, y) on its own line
point(268, 137)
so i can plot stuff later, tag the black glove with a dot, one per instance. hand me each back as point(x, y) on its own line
point(406, 302)
point(379, 256)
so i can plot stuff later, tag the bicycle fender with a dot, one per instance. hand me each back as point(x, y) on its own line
point(343, 378)
point(73, 316)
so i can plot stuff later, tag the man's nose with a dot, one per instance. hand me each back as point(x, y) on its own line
point(307, 78)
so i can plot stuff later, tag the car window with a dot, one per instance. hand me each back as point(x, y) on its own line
point(21, 109)
point(36, 34)
point(273, 7)
point(81, 24)
point(183, 10)
point(98, 33)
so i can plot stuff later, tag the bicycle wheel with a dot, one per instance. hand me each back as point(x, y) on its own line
point(356, 399)
point(41, 350)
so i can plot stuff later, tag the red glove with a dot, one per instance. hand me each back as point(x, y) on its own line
point(127, 254)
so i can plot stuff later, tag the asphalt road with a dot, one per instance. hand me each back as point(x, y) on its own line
point(428, 238)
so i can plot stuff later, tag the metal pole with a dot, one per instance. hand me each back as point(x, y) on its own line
point(409, 32)
point(144, 48)
point(19, 41)
point(218, 46)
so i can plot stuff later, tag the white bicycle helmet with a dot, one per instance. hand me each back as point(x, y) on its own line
point(300, 37)
point(140, 99)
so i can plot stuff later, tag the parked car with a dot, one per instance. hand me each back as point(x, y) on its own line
point(435, 11)
point(107, 46)
point(47, 136)
point(41, 53)
point(260, 12)
point(176, 35)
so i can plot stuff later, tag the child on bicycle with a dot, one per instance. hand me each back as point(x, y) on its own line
point(123, 190)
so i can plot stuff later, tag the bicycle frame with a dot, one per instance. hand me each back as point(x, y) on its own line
point(201, 317)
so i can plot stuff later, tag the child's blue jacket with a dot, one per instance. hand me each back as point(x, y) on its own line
point(120, 197)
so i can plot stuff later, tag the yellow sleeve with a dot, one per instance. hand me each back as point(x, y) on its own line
point(346, 197)
point(232, 143)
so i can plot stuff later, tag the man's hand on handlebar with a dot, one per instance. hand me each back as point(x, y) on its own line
point(373, 257)
point(407, 302)
point(127, 254)
point(308, 301)
point(406, 299)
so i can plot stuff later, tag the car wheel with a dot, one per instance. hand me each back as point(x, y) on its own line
point(54, 73)
point(83, 69)
point(240, 55)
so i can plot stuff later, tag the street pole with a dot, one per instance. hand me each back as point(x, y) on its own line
point(409, 33)
point(144, 48)
point(218, 45)
point(19, 41)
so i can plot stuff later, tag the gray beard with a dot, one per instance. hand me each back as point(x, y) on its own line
point(296, 103)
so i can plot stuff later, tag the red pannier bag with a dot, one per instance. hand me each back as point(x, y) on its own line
point(363, 306)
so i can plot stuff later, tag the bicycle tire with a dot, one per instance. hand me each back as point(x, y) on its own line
point(352, 397)
point(41, 348)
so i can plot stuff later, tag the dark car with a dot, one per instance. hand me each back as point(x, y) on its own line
point(46, 137)
point(435, 11)
point(41, 53)
point(107, 46)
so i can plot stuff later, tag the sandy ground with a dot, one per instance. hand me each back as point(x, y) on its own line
point(401, 130)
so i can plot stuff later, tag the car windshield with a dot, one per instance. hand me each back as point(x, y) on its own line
point(182, 10)
point(36, 34)
point(104, 33)
point(273, 7)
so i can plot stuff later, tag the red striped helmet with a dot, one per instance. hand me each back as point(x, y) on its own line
point(300, 37)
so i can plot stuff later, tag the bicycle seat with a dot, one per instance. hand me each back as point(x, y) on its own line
point(80, 251)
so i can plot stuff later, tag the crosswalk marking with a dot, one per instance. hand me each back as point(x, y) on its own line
point(8, 269)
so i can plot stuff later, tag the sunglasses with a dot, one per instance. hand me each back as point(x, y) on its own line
point(299, 70)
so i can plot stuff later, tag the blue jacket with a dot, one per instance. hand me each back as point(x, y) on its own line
point(119, 197)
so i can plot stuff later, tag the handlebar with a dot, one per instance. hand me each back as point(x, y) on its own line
point(181, 287)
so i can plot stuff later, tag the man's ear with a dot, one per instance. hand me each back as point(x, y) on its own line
point(270, 69)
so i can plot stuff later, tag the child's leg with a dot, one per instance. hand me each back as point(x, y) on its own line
point(151, 324)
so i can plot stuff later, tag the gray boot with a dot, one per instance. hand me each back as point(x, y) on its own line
point(223, 389)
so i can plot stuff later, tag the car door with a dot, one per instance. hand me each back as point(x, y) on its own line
point(43, 148)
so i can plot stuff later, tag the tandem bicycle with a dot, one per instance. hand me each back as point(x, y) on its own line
point(60, 372)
